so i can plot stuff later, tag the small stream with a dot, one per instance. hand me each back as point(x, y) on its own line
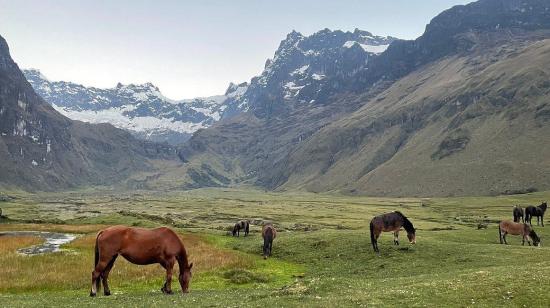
point(52, 241)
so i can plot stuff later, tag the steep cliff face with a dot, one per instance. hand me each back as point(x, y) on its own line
point(41, 149)
point(462, 110)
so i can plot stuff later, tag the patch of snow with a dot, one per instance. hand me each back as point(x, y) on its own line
point(311, 52)
point(34, 163)
point(318, 76)
point(300, 71)
point(22, 104)
point(291, 89)
point(240, 91)
point(20, 128)
point(376, 49)
point(116, 117)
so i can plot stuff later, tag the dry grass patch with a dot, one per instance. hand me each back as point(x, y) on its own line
point(10, 244)
point(71, 268)
point(52, 228)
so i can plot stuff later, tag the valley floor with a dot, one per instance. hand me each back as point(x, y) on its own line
point(322, 255)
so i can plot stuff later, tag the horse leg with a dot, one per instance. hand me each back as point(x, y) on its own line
point(105, 276)
point(504, 237)
point(96, 274)
point(375, 243)
point(396, 238)
point(169, 266)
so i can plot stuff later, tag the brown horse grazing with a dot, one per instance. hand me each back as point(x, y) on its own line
point(268, 233)
point(507, 227)
point(140, 246)
point(241, 225)
point(391, 222)
point(537, 211)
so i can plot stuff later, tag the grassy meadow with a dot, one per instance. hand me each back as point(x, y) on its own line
point(322, 256)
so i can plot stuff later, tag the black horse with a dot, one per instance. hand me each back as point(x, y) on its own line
point(241, 225)
point(391, 222)
point(537, 211)
point(518, 213)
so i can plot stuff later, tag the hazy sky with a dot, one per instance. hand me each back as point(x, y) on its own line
point(186, 48)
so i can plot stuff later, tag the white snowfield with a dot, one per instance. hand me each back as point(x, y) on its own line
point(376, 49)
point(116, 117)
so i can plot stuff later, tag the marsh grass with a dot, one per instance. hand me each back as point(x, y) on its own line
point(70, 269)
point(322, 255)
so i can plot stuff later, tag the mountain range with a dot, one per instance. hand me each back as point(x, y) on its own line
point(461, 110)
point(139, 108)
point(145, 112)
point(40, 149)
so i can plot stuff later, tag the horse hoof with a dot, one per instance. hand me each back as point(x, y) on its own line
point(92, 294)
point(107, 293)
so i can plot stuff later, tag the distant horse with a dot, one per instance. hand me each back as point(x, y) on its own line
point(537, 211)
point(268, 233)
point(241, 225)
point(518, 213)
point(142, 247)
point(507, 227)
point(391, 222)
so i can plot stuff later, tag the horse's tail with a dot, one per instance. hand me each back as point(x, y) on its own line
point(499, 233)
point(372, 239)
point(96, 255)
point(268, 239)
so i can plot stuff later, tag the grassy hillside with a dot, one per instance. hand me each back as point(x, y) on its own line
point(473, 124)
point(322, 256)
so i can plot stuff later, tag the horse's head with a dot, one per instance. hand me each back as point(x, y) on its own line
point(185, 278)
point(534, 237)
point(412, 236)
point(235, 229)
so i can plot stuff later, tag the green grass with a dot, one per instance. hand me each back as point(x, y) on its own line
point(322, 255)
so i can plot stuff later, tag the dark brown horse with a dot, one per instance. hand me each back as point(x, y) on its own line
point(241, 225)
point(507, 227)
point(142, 247)
point(537, 211)
point(518, 214)
point(268, 233)
point(391, 222)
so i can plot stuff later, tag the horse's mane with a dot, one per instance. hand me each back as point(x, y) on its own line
point(407, 224)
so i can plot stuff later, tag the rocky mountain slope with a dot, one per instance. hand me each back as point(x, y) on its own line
point(42, 149)
point(140, 109)
point(462, 110)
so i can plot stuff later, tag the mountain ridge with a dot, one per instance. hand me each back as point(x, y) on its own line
point(360, 139)
point(42, 150)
